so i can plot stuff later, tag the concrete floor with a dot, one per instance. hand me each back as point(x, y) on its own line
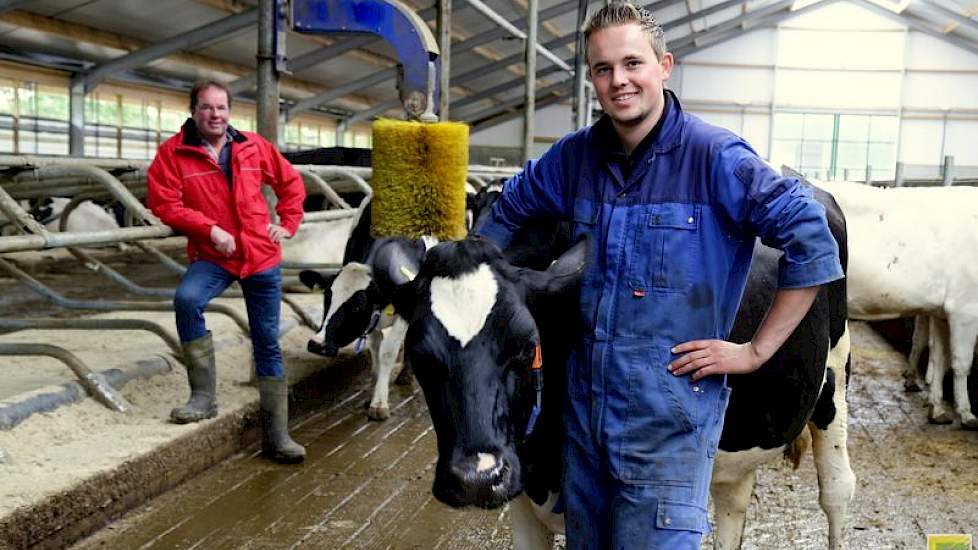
point(367, 484)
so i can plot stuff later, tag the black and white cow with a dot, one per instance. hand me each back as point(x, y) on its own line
point(357, 311)
point(475, 323)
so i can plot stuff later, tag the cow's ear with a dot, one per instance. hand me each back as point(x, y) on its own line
point(312, 279)
point(562, 275)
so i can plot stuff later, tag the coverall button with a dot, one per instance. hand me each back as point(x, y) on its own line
point(668, 521)
point(696, 388)
point(690, 220)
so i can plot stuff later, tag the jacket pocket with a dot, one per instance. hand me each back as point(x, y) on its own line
point(665, 250)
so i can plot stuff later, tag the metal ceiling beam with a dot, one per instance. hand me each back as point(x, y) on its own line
point(966, 21)
point(518, 33)
point(508, 86)
point(371, 112)
point(517, 101)
point(668, 25)
point(222, 28)
point(505, 117)
point(7, 5)
point(708, 36)
point(919, 25)
point(336, 93)
point(468, 44)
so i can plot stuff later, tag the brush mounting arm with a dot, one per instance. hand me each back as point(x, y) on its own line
point(397, 24)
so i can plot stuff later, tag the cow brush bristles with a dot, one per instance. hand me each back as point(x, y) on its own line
point(419, 172)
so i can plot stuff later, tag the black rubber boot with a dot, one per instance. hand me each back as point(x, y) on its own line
point(274, 414)
point(202, 374)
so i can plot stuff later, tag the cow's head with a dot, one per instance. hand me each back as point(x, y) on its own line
point(351, 301)
point(471, 344)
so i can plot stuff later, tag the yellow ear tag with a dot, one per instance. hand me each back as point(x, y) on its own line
point(407, 272)
point(389, 310)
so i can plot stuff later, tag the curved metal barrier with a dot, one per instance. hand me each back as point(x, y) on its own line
point(92, 381)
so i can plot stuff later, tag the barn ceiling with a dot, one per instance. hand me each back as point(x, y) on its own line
point(486, 61)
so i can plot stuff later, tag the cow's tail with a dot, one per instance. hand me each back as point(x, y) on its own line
point(796, 449)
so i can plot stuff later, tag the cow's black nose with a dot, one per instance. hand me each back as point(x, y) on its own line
point(481, 479)
point(321, 348)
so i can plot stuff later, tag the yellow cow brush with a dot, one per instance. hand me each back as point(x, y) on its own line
point(418, 179)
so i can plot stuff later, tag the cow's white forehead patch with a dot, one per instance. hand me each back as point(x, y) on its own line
point(353, 278)
point(462, 304)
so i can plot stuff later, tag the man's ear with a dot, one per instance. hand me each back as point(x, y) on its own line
point(667, 62)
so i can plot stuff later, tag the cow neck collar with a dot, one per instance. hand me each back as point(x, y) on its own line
point(371, 326)
point(536, 375)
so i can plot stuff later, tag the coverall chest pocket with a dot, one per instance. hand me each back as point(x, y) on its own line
point(664, 252)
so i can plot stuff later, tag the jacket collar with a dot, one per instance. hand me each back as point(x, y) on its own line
point(664, 137)
point(191, 135)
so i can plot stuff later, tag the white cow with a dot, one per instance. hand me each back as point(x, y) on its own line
point(911, 252)
point(318, 242)
point(87, 216)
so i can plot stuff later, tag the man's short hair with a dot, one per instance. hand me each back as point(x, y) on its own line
point(203, 85)
point(624, 13)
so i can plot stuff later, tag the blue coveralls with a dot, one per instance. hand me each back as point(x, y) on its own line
point(671, 247)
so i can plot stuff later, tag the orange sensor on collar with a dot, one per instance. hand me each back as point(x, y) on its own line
point(537, 359)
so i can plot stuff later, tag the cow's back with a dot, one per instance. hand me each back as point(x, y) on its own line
point(912, 248)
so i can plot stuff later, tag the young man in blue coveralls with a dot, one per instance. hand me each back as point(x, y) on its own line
point(672, 207)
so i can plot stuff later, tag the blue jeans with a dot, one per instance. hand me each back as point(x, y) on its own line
point(204, 281)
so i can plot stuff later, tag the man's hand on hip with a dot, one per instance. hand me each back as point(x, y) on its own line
point(276, 233)
point(223, 241)
point(705, 357)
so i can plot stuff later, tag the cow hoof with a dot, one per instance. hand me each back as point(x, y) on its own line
point(941, 418)
point(379, 413)
point(969, 423)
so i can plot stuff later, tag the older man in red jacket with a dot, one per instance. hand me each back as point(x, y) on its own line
point(205, 183)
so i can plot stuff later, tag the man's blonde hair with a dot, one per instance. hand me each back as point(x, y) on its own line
point(624, 13)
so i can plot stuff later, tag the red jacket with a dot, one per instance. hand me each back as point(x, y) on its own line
point(188, 191)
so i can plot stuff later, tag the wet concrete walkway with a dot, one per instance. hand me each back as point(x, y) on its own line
point(364, 484)
point(367, 484)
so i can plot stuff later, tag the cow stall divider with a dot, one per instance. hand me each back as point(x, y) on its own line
point(124, 181)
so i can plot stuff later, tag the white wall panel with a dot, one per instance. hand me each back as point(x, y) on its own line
point(961, 136)
point(927, 52)
point(730, 121)
point(920, 141)
point(727, 84)
point(753, 48)
point(942, 90)
point(820, 49)
point(757, 130)
point(838, 89)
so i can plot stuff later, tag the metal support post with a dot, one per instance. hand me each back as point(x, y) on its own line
point(948, 171)
point(76, 115)
point(445, 45)
point(529, 105)
point(581, 103)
